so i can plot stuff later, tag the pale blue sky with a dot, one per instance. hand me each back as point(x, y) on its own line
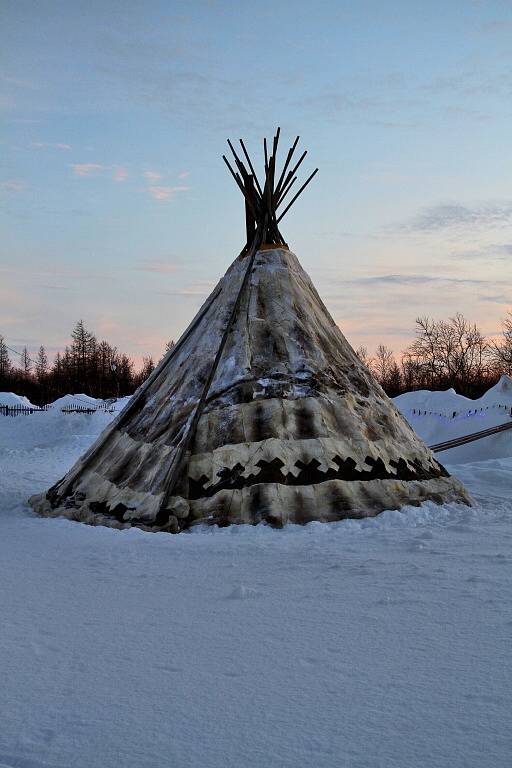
point(117, 208)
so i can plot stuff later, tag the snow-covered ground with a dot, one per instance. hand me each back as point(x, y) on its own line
point(378, 643)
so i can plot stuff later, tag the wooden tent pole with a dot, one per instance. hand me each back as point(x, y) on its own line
point(298, 193)
point(250, 166)
point(285, 168)
point(250, 218)
point(290, 175)
point(265, 199)
point(283, 195)
point(239, 183)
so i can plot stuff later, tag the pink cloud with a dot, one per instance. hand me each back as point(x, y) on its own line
point(120, 174)
point(85, 169)
point(165, 193)
point(183, 174)
point(152, 175)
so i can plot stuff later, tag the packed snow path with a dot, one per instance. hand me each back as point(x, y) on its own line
point(382, 642)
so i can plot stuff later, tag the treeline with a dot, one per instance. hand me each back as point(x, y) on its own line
point(445, 353)
point(87, 365)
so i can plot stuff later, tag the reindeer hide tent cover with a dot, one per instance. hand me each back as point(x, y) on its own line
point(261, 412)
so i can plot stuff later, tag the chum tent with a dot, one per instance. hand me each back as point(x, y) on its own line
point(262, 411)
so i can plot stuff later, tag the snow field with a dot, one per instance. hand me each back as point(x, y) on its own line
point(382, 643)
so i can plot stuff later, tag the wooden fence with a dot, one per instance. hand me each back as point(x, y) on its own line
point(20, 410)
point(464, 413)
point(106, 408)
point(26, 410)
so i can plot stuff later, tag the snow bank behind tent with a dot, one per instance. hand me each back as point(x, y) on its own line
point(76, 401)
point(86, 401)
point(500, 393)
point(441, 416)
point(11, 400)
point(447, 401)
point(443, 401)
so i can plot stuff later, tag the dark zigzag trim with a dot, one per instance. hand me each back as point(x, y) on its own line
point(310, 474)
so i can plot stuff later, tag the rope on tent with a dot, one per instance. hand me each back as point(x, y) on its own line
point(469, 438)
point(176, 467)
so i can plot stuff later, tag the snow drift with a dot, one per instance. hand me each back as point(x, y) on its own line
point(12, 400)
point(441, 416)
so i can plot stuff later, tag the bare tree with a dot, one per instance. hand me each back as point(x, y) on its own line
point(449, 353)
point(394, 384)
point(386, 370)
point(382, 363)
point(411, 373)
point(502, 352)
point(364, 356)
